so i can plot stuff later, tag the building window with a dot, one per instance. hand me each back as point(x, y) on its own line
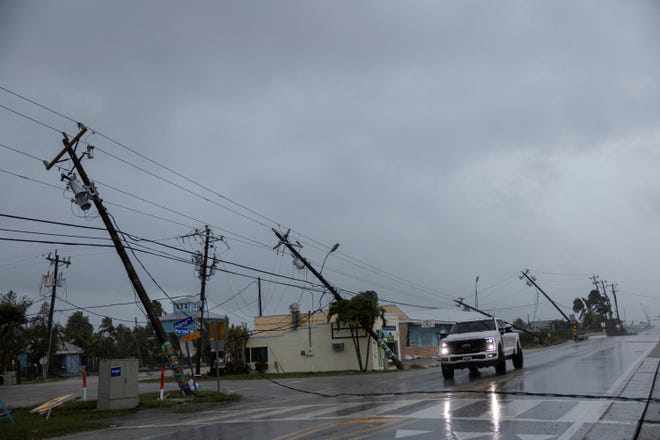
point(258, 354)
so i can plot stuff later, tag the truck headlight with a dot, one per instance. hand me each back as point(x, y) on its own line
point(444, 349)
point(490, 344)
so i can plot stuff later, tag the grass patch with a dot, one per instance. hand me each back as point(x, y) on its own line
point(67, 419)
point(201, 400)
point(80, 416)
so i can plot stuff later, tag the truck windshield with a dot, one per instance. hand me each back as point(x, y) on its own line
point(473, 326)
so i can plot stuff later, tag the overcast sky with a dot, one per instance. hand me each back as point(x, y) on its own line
point(433, 140)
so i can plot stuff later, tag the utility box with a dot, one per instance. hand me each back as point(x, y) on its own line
point(118, 384)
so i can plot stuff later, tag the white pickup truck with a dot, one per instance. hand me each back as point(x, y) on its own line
point(476, 344)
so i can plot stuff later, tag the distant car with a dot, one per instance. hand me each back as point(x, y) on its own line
point(477, 344)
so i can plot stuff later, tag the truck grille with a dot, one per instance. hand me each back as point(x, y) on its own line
point(467, 346)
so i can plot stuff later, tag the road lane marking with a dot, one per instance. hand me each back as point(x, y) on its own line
point(585, 411)
point(385, 407)
point(441, 410)
point(404, 433)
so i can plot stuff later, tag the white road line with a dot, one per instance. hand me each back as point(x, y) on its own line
point(385, 407)
point(585, 411)
point(516, 407)
point(440, 410)
point(322, 412)
point(280, 410)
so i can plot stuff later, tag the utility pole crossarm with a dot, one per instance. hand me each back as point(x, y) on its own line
point(284, 239)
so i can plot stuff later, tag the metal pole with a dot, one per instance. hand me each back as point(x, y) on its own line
point(370, 331)
point(259, 293)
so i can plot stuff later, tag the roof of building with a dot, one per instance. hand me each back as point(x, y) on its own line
point(178, 315)
point(417, 314)
point(273, 325)
point(68, 348)
point(186, 300)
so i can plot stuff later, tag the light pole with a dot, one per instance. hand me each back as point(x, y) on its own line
point(334, 248)
point(476, 291)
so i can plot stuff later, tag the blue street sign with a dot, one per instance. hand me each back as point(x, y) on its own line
point(183, 323)
point(182, 331)
point(115, 371)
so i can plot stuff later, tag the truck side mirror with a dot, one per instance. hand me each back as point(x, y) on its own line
point(508, 328)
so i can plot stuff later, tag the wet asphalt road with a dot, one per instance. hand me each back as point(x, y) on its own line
point(430, 408)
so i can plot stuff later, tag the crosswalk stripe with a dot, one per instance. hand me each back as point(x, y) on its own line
point(441, 410)
point(328, 411)
point(514, 408)
point(385, 407)
point(275, 411)
point(585, 411)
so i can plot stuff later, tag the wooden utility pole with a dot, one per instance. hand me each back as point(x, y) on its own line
point(137, 343)
point(203, 275)
point(531, 281)
point(259, 294)
point(284, 239)
point(166, 345)
point(616, 302)
point(476, 291)
point(467, 307)
point(55, 262)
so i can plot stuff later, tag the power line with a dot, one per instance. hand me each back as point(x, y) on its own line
point(324, 246)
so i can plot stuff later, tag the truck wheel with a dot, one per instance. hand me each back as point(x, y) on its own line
point(500, 366)
point(447, 372)
point(518, 358)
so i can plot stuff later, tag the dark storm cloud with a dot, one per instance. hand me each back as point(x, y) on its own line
point(436, 140)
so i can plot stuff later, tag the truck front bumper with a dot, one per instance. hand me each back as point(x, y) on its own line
point(478, 360)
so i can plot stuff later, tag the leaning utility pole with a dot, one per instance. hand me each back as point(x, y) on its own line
point(531, 281)
point(83, 194)
point(616, 302)
point(476, 291)
point(467, 307)
point(55, 262)
point(284, 239)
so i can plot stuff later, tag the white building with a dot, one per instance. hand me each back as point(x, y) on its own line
point(287, 344)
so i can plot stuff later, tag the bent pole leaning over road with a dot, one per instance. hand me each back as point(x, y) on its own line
point(284, 239)
point(166, 345)
point(474, 309)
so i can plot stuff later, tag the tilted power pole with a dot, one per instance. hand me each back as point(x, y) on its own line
point(83, 194)
point(616, 302)
point(531, 281)
point(467, 307)
point(284, 239)
point(55, 262)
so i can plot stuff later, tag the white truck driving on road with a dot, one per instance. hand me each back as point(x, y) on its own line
point(476, 344)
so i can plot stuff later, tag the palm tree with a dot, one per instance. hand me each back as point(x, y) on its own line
point(361, 311)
